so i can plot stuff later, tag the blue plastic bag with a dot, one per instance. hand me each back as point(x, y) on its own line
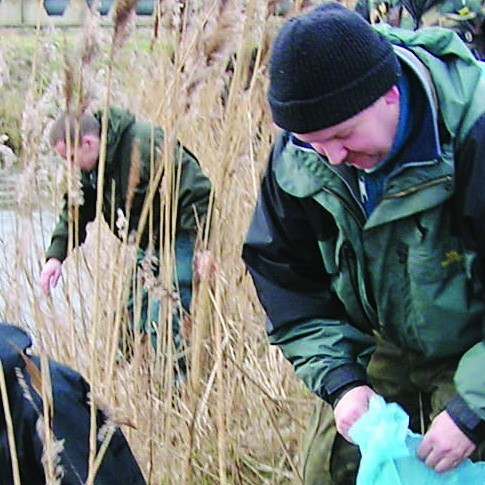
point(388, 451)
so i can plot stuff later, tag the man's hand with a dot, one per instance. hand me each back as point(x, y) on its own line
point(205, 266)
point(351, 406)
point(51, 272)
point(444, 446)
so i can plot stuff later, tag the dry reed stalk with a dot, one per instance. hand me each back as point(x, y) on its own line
point(121, 291)
point(160, 175)
point(163, 165)
point(134, 175)
point(221, 388)
point(275, 427)
point(10, 432)
point(105, 441)
point(225, 146)
point(49, 454)
point(123, 14)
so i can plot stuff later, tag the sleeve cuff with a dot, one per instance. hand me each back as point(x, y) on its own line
point(468, 422)
point(341, 380)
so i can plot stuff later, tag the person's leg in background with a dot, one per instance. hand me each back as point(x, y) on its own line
point(145, 309)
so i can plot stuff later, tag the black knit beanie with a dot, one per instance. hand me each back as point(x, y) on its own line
point(326, 66)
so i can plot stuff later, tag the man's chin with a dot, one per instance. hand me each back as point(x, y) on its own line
point(363, 163)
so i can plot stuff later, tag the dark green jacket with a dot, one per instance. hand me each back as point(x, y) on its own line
point(192, 191)
point(414, 271)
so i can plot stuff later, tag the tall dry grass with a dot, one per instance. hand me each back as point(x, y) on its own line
point(240, 416)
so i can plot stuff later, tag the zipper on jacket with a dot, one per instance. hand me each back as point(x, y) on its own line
point(349, 254)
point(345, 203)
point(349, 259)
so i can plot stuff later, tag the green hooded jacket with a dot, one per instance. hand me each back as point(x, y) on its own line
point(413, 271)
point(192, 190)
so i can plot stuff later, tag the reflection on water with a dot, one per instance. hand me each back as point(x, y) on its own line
point(23, 239)
point(8, 183)
point(63, 322)
point(21, 255)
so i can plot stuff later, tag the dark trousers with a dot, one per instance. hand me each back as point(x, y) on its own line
point(145, 308)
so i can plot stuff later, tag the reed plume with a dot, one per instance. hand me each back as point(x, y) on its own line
point(123, 20)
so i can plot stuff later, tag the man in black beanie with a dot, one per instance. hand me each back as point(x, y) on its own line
point(367, 245)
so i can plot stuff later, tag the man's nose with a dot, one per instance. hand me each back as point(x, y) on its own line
point(335, 152)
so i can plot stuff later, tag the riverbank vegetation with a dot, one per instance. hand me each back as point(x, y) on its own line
point(201, 74)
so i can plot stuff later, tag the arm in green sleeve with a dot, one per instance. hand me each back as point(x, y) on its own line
point(194, 194)
point(470, 379)
point(58, 247)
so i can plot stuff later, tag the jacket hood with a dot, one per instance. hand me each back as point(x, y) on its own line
point(456, 81)
point(119, 120)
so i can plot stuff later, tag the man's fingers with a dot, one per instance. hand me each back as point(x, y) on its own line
point(433, 458)
point(444, 446)
point(343, 429)
point(48, 281)
point(428, 454)
point(446, 464)
point(55, 278)
point(44, 284)
point(424, 449)
point(350, 407)
point(441, 460)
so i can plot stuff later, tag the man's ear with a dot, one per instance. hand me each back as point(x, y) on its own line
point(392, 96)
point(60, 147)
point(90, 140)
